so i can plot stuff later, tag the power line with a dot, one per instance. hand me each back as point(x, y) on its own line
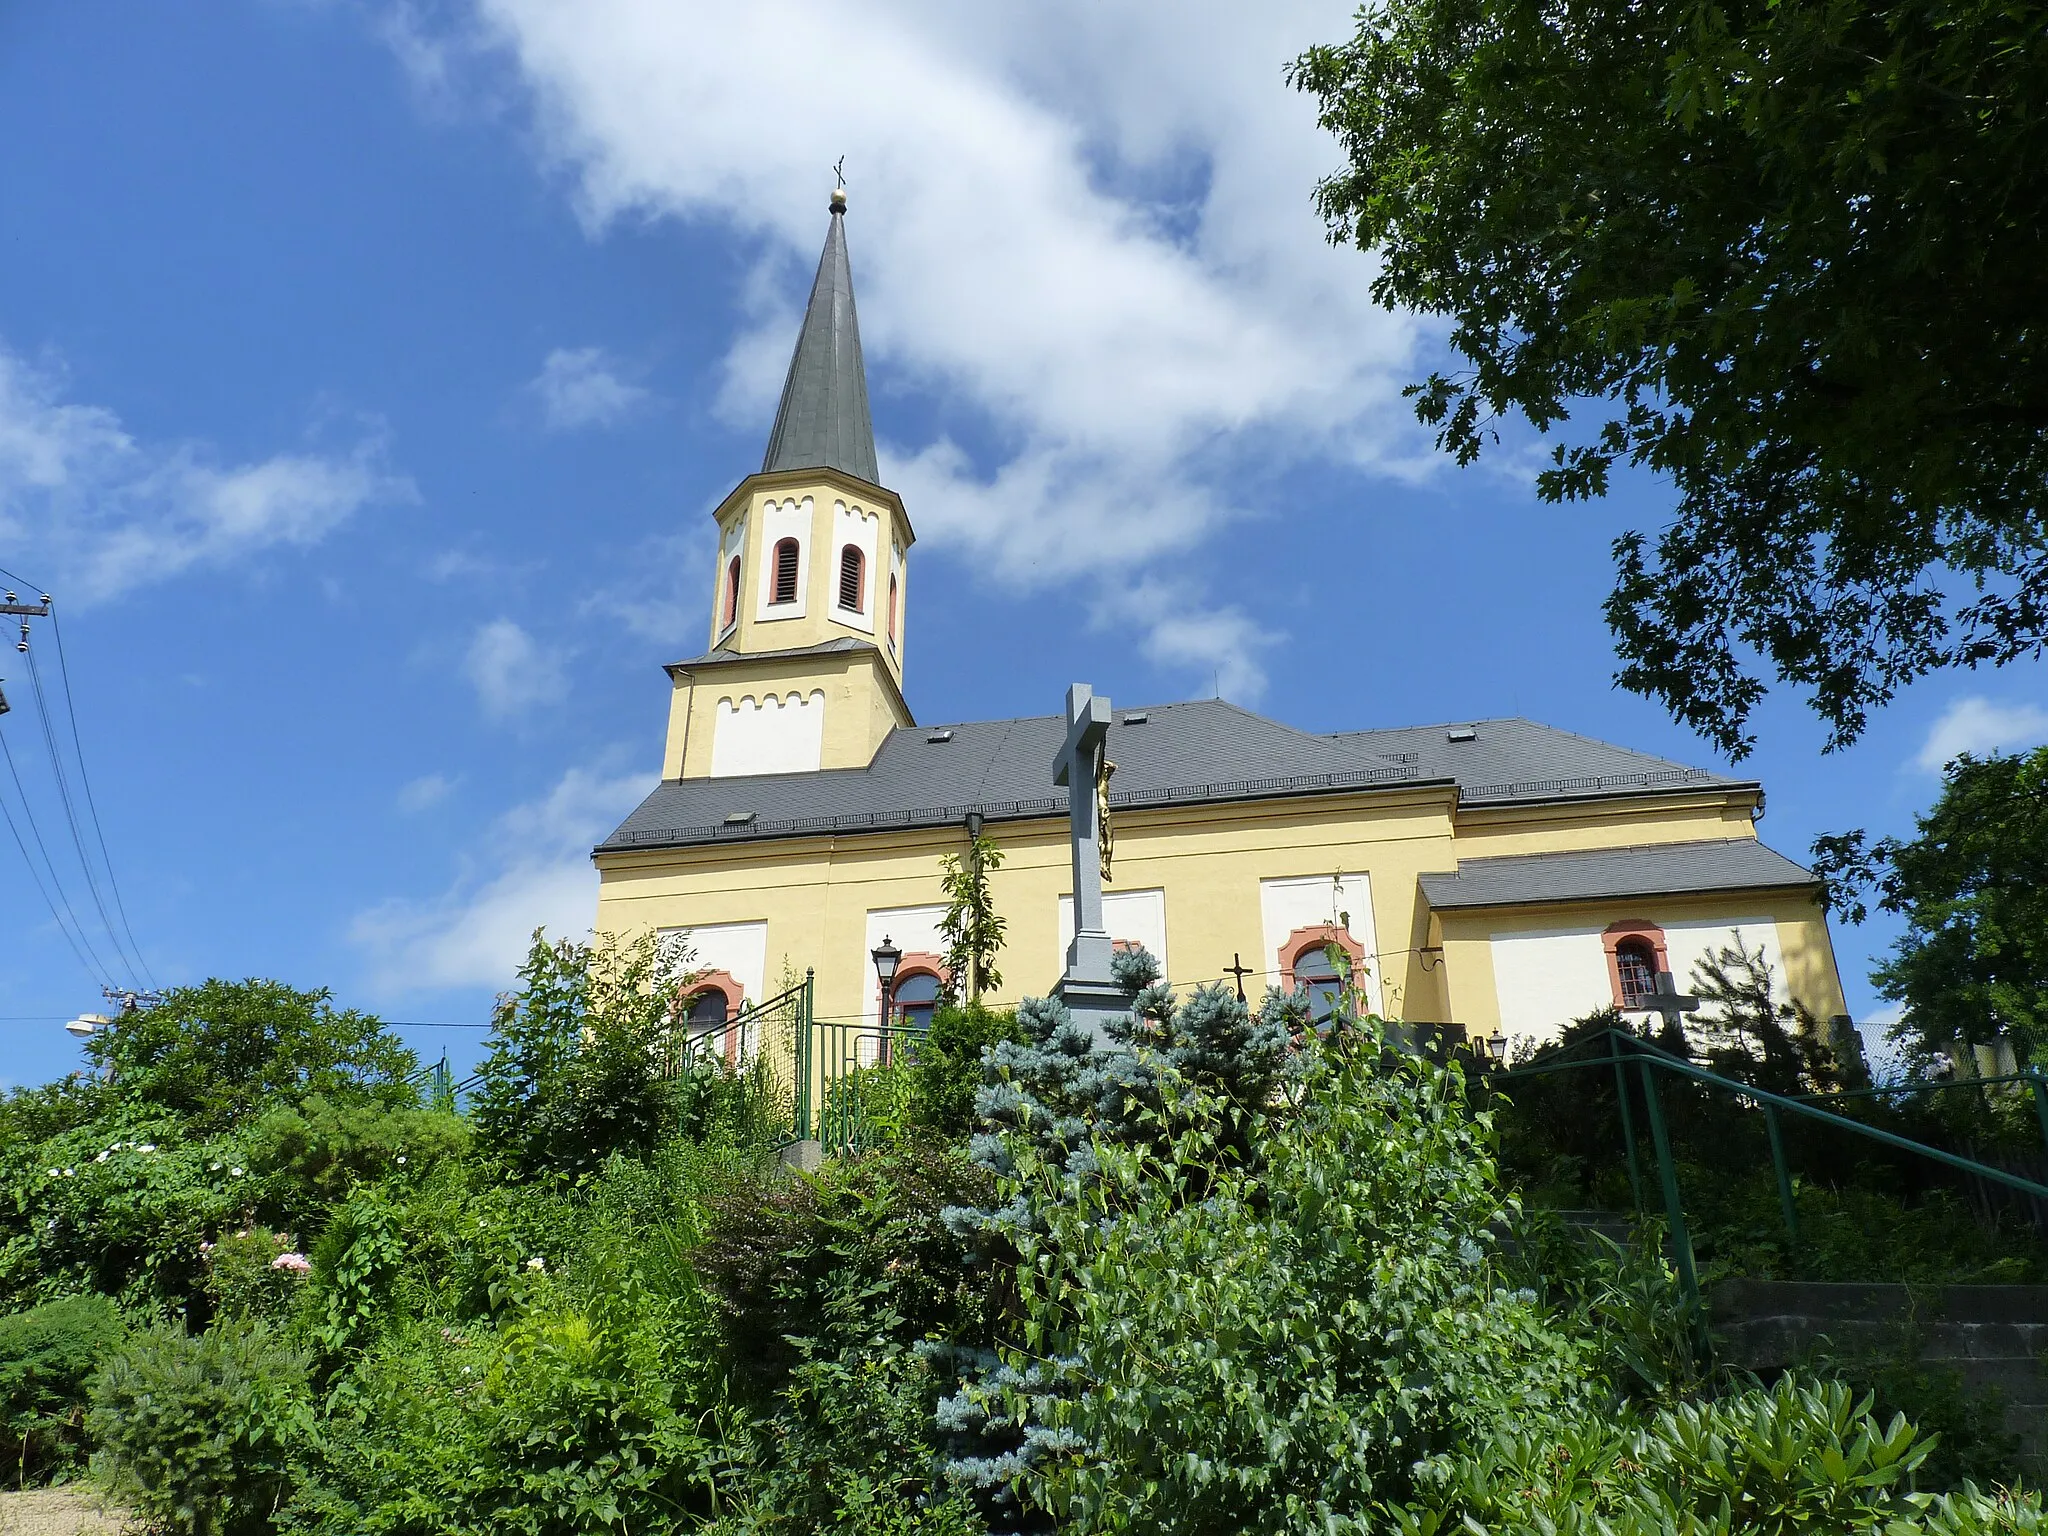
point(92, 884)
point(99, 966)
point(36, 876)
point(85, 781)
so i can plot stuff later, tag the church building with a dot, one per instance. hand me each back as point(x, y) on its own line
point(1501, 876)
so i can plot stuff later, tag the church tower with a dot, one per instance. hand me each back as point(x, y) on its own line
point(805, 667)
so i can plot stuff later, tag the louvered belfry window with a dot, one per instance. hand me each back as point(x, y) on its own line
point(851, 569)
point(785, 571)
point(732, 594)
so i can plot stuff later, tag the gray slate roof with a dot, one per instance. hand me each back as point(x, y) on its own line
point(1201, 752)
point(823, 421)
point(1653, 869)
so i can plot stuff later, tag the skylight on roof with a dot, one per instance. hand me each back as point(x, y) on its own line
point(739, 818)
point(1462, 733)
point(1137, 717)
point(937, 737)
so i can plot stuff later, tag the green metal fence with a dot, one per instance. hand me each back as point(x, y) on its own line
point(774, 1039)
point(1619, 1051)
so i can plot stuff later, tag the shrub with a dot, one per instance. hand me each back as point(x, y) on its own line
point(216, 1054)
point(1210, 1342)
point(47, 1355)
point(1787, 1461)
point(577, 1070)
point(199, 1434)
point(325, 1149)
point(948, 1070)
point(253, 1274)
point(781, 1257)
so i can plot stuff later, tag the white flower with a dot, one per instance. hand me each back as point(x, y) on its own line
point(234, 1173)
point(401, 1159)
point(53, 1173)
point(293, 1263)
point(213, 1167)
point(147, 1146)
point(68, 1172)
point(101, 1158)
point(536, 1263)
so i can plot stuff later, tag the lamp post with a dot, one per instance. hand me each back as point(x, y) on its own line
point(886, 957)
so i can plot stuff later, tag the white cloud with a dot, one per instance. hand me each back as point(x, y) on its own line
point(83, 500)
point(536, 874)
point(510, 672)
point(425, 792)
point(1086, 225)
point(1977, 726)
point(579, 387)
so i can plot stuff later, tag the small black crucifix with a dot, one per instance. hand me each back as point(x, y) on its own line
point(1240, 970)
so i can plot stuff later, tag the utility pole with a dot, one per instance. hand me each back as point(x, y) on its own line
point(24, 611)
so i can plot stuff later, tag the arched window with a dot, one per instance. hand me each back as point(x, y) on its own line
point(1635, 954)
point(892, 608)
point(707, 1011)
point(1635, 964)
point(732, 595)
point(852, 570)
point(915, 997)
point(1316, 979)
point(785, 571)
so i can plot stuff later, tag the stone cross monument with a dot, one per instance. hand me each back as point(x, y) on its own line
point(1088, 989)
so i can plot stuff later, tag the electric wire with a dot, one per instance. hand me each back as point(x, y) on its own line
point(85, 782)
point(127, 961)
point(80, 945)
point(36, 875)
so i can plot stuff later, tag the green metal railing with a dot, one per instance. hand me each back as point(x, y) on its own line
point(1624, 1049)
point(774, 1035)
point(860, 1095)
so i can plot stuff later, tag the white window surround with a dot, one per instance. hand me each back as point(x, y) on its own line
point(731, 546)
point(1545, 977)
point(783, 520)
point(771, 734)
point(1139, 916)
point(1308, 901)
point(914, 930)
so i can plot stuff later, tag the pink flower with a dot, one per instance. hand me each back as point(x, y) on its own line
point(293, 1263)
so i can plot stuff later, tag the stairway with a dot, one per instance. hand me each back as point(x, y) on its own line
point(1994, 1335)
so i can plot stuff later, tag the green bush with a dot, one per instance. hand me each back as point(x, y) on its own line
point(578, 1067)
point(47, 1355)
point(1214, 1343)
point(948, 1070)
point(254, 1274)
point(200, 1434)
point(1794, 1460)
point(780, 1256)
point(326, 1149)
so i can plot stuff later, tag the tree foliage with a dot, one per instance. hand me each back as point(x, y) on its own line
point(210, 1054)
point(972, 928)
point(1972, 885)
point(1792, 255)
point(576, 1070)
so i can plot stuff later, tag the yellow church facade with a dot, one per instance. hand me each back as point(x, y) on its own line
point(1499, 876)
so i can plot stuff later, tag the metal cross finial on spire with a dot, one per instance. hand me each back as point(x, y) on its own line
point(839, 191)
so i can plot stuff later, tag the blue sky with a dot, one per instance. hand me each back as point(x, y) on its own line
point(368, 372)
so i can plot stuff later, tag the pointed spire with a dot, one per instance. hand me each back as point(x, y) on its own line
point(823, 421)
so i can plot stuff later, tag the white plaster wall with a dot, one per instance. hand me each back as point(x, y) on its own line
point(738, 949)
point(1136, 915)
point(861, 528)
point(1343, 899)
point(734, 543)
point(770, 734)
point(783, 520)
point(1545, 978)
